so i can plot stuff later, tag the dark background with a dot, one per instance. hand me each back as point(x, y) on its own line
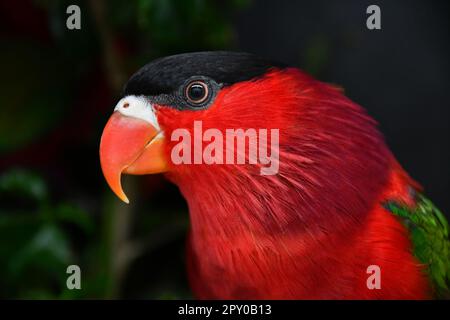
point(58, 88)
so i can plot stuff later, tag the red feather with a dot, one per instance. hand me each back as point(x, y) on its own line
point(312, 230)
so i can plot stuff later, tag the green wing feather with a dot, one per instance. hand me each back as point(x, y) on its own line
point(429, 232)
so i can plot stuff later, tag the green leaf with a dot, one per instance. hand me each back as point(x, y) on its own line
point(24, 182)
point(48, 250)
point(68, 213)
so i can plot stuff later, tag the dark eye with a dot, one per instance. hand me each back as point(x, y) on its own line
point(196, 92)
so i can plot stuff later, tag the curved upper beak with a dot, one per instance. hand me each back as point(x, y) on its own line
point(130, 145)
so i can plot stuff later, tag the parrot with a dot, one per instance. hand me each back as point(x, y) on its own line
point(339, 218)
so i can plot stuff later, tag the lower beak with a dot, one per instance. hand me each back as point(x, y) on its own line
point(132, 146)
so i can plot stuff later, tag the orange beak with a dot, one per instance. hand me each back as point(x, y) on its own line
point(132, 146)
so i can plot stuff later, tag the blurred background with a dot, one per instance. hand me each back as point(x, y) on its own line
point(59, 86)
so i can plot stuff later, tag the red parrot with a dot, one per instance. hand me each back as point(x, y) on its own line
point(338, 206)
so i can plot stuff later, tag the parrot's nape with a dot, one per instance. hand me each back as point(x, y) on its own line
point(338, 205)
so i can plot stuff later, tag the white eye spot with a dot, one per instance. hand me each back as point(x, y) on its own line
point(137, 107)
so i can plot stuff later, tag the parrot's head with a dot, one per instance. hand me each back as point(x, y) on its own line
point(327, 145)
point(222, 90)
